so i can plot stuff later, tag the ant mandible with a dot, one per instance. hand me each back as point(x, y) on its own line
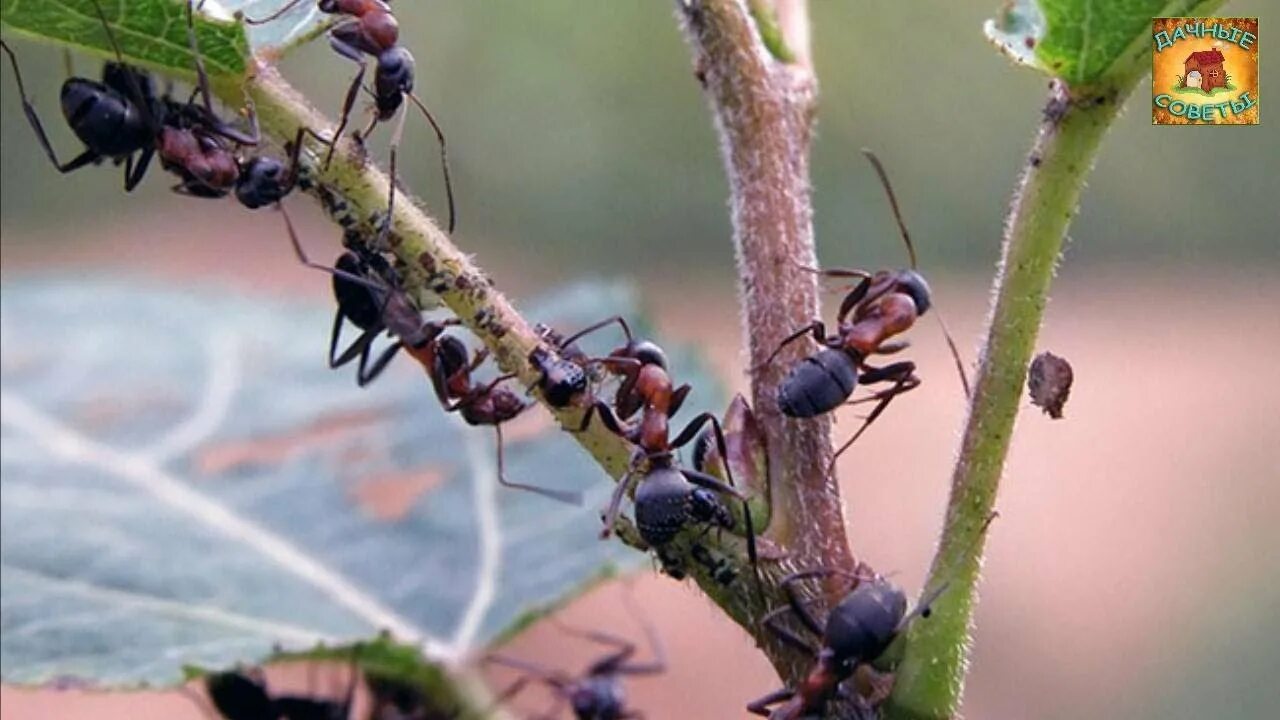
point(597, 693)
point(881, 306)
point(370, 28)
point(668, 497)
point(368, 295)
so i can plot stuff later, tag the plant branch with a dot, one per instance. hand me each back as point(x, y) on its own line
point(931, 677)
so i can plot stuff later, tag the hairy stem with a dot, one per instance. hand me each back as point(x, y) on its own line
point(763, 108)
point(930, 679)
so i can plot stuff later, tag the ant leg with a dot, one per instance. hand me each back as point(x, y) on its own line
point(626, 330)
point(366, 375)
point(569, 497)
point(85, 158)
point(305, 260)
point(859, 294)
point(760, 706)
point(353, 54)
point(262, 21)
point(905, 382)
point(678, 398)
point(391, 184)
point(615, 503)
point(134, 171)
point(444, 158)
point(607, 417)
point(815, 328)
point(295, 154)
point(784, 633)
point(202, 79)
point(358, 348)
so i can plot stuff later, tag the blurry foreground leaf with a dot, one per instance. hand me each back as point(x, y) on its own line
point(1086, 43)
point(185, 482)
point(151, 33)
point(300, 23)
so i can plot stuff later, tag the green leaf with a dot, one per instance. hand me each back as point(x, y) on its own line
point(151, 33)
point(299, 24)
point(1086, 43)
point(184, 481)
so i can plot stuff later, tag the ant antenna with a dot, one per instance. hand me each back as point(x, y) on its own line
point(925, 606)
point(911, 253)
point(444, 157)
point(893, 203)
point(261, 21)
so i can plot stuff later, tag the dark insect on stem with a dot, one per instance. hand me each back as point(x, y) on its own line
point(245, 696)
point(1049, 383)
point(668, 496)
point(368, 296)
point(880, 307)
point(368, 28)
point(597, 693)
point(856, 631)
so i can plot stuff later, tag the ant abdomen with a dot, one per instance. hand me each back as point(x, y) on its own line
point(866, 620)
point(662, 505)
point(103, 119)
point(818, 384)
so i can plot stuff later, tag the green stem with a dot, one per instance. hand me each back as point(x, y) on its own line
point(930, 679)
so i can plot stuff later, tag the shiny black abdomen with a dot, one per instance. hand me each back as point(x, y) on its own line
point(104, 120)
point(662, 505)
point(818, 384)
point(863, 624)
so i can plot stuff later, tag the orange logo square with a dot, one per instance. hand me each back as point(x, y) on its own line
point(1204, 71)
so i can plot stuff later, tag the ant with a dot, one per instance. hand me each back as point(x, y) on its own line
point(122, 119)
point(367, 293)
point(370, 28)
point(856, 631)
point(881, 306)
point(597, 693)
point(668, 497)
point(237, 696)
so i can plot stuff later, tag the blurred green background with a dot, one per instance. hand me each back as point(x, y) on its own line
point(581, 139)
point(582, 145)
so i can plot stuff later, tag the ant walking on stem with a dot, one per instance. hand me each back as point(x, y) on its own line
point(369, 28)
point(367, 293)
point(881, 306)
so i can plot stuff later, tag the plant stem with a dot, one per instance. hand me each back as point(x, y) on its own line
point(930, 679)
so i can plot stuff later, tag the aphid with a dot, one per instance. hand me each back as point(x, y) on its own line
point(1049, 382)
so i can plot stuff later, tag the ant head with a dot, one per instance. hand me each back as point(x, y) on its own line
point(863, 624)
point(597, 697)
point(451, 355)
point(649, 353)
point(395, 71)
point(261, 182)
point(329, 6)
point(914, 284)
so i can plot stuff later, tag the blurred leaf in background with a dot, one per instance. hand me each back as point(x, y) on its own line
point(186, 482)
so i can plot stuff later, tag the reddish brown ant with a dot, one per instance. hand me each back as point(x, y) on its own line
point(597, 693)
point(881, 306)
point(857, 630)
point(368, 294)
point(370, 28)
point(668, 497)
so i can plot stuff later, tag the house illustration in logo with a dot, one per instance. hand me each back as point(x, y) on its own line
point(1204, 70)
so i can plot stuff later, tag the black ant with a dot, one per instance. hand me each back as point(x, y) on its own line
point(368, 294)
point(668, 497)
point(856, 631)
point(370, 28)
point(882, 305)
point(237, 696)
point(122, 119)
point(597, 693)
